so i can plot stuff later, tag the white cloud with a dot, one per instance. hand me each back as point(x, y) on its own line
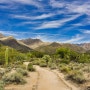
point(4, 1)
point(27, 2)
point(86, 32)
point(43, 16)
point(74, 39)
point(46, 37)
point(8, 33)
point(49, 24)
point(56, 4)
point(73, 6)
point(84, 8)
point(56, 23)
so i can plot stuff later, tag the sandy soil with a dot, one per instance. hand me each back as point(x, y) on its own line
point(30, 85)
point(71, 85)
point(49, 80)
point(44, 79)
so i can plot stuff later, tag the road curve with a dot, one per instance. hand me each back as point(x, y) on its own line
point(49, 80)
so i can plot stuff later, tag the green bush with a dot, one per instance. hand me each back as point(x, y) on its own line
point(76, 76)
point(35, 62)
point(30, 67)
point(2, 72)
point(13, 78)
point(8, 69)
point(86, 69)
point(2, 85)
point(52, 66)
point(19, 65)
point(42, 63)
point(64, 68)
point(46, 58)
point(22, 72)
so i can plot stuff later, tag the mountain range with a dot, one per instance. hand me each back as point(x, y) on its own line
point(26, 45)
point(12, 42)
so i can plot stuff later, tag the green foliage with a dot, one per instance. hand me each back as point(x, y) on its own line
point(2, 85)
point(11, 56)
point(63, 52)
point(30, 67)
point(19, 64)
point(6, 57)
point(76, 76)
point(36, 61)
point(2, 58)
point(52, 66)
point(69, 55)
point(46, 58)
point(22, 72)
point(35, 54)
point(64, 68)
point(42, 63)
point(2, 72)
point(13, 78)
point(76, 72)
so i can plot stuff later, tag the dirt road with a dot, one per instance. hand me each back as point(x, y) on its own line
point(49, 80)
point(43, 79)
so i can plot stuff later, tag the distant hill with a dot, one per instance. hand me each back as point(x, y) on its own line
point(12, 42)
point(2, 36)
point(86, 46)
point(51, 49)
point(37, 44)
point(33, 43)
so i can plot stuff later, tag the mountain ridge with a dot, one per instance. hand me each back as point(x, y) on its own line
point(12, 42)
point(37, 44)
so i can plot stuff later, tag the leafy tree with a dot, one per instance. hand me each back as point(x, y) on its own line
point(63, 52)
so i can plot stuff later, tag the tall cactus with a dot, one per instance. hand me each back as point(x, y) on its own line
point(6, 57)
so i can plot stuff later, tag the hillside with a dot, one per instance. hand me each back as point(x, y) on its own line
point(12, 42)
point(50, 49)
point(33, 43)
point(1, 35)
point(86, 46)
point(25, 45)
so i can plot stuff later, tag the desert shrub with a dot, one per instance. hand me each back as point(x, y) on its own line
point(76, 76)
point(46, 58)
point(52, 66)
point(20, 66)
point(13, 78)
point(42, 63)
point(64, 68)
point(86, 69)
point(8, 69)
point(35, 62)
point(30, 67)
point(22, 72)
point(2, 85)
point(2, 72)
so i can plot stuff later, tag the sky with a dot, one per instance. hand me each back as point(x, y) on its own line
point(64, 21)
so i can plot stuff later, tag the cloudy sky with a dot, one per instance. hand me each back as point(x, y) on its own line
point(66, 21)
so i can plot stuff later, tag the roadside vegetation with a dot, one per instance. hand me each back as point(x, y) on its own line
point(74, 65)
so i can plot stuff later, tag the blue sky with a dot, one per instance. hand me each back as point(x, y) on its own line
point(66, 21)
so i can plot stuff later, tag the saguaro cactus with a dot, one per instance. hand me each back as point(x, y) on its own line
point(6, 57)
